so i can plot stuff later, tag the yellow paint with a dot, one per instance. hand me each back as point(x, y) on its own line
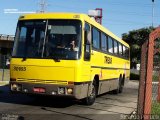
point(47, 71)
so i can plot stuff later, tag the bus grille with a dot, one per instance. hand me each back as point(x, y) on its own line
point(42, 81)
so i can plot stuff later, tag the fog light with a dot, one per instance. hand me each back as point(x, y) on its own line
point(69, 90)
point(54, 92)
point(61, 90)
point(25, 90)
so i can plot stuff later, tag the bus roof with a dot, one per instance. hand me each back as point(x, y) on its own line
point(71, 16)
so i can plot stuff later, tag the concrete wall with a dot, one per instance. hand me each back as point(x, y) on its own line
point(6, 45)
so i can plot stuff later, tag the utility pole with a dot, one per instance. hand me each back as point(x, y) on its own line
point(152, 13)
point(43, 6)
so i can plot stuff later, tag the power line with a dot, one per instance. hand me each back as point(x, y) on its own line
point(124, 22)
point(111, 11)
point(107, 21)
point(132, 13)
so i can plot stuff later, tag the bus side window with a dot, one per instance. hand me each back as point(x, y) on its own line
point(110, 45)
point(127, 53)
point(96, 38)
point(124, 51)
point(115, 47)
point(103, 42)
point(87, 42)
point(88, 34)
point(120, 49)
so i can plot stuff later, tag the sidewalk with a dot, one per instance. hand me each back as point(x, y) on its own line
point(4, 77)
point(3, 83)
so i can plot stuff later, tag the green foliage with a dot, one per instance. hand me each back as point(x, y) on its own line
point(156, 108)
point(134, 76)
point(135, 39)
point(155, 78)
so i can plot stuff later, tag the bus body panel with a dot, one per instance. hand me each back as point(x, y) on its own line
point(42, 70)
point(108, 75)
point(75, 74)
point(48, 74)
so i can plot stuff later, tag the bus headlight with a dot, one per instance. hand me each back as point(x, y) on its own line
point(16, 87)
point(61, 90)
point(69, 90)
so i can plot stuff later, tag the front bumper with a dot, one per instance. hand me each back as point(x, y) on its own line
point(79, 91)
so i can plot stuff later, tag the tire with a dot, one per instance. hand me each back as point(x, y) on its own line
point(92, 95)
point(120, 86)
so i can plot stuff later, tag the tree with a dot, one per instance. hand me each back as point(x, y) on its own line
point(135, 39)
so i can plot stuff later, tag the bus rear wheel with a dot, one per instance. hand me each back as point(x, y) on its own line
point(90, 99)
point(120, 86)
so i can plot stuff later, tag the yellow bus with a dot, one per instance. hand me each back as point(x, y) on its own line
point(67, 54)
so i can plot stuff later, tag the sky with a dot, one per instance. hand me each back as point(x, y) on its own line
point(119, 16)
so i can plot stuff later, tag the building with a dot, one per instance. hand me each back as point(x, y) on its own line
point(6, 45)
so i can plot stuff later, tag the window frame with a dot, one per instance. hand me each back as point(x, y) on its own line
point(99, 39)
point(117, 52)
point(110, 39)
point(106, 42)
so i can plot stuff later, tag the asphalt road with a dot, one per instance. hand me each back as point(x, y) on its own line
point(106, 107)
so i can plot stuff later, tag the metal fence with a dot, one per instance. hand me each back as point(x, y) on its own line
point(148, 106)
point(155, 109)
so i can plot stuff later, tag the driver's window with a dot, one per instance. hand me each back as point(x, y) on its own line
point(87, 41)
point(88, 33)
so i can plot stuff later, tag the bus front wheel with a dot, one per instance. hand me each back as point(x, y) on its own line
point(90, 99)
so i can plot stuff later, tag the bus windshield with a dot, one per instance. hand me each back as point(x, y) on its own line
point(57, 39)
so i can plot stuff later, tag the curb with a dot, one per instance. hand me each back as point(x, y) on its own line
point(3, 83)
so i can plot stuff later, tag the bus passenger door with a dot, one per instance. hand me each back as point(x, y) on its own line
point(87, 43)
point(87, 53)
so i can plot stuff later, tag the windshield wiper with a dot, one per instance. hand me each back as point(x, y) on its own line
point(24, 59)
point(56, 60)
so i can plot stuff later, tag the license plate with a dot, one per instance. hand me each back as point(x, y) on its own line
point(39, 90)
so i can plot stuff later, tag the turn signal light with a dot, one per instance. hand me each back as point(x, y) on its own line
point(70, 83)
